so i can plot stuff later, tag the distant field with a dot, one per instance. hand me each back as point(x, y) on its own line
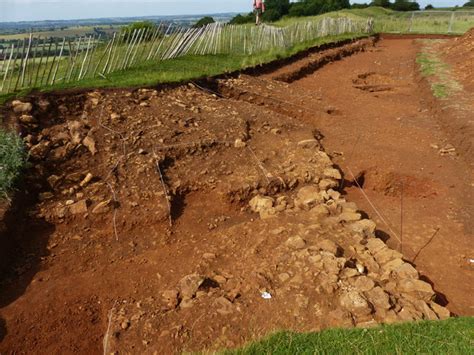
point(436, 22)
point(67, 32)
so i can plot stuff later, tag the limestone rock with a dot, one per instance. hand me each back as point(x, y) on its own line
point(331, 264)
point(239, 143)
point(223, 305)
point(378, 298)
point(40, 150)
point(309, 144)
point(27, 119)
point(262, 205)
point(319, 211)
point(332, 173)
point(422, 307)
point(76, 131)
point(89, 143)
point(308, 197)
point(374, 245)
point(80, 207)
point(349, 216)
point(295, 242)
point(441, 312)
point(329, 246)
point(418, 288)
point(86, 180)
point(21, 107)
point(326, 184)
point(386, 255)
point(339, 318)
point(170, 297)
point(363, 283)
point(364, 226)
point(355, 303)
point(189, 285)
point(102, 207)
point(403, 271)
point(409, 313)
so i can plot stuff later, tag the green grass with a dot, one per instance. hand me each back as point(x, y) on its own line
point(453, 336)
point(12, 161)
point(439, 90)
point(387, 20)
point(183, 68)
point(443, 84)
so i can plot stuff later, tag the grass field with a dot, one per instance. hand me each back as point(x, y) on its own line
point(74, 31)
point(387, 20)
point(443, 84)
point(178, 69)
point(453, 336)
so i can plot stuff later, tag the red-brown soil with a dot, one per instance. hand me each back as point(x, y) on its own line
point(460, 54)
point(161, 249)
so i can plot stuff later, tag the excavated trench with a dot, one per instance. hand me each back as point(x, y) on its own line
point(164, 214)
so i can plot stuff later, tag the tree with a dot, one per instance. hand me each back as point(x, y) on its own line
point(242, 19)
point(275, 9)
point(405, 5)
point(204, 22)
point(359, 6)
point(381, 3)
point(429, 7)
point(469, 4)
point(316, 7)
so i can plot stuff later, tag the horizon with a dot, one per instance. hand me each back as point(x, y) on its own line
point(57, 10)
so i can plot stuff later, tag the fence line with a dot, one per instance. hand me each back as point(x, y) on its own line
point(36, 62)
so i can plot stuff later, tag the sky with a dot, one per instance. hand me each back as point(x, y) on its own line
point(35, 10)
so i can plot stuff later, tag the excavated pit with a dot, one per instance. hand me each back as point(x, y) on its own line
point(168, 213)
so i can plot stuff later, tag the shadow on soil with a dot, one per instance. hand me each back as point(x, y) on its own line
point(3, 329)
point(23, 242)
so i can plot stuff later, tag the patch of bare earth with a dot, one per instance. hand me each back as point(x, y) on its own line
point(178, 219)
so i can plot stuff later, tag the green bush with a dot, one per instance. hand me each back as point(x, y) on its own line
point(204, 22)
point(316, 7)
point(242, 19)
point(12, 160)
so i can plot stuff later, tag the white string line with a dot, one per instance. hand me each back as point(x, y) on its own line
point(114, 195)
point(353, 177)
point(260, 165)
point(105, 341)
point(372, 205)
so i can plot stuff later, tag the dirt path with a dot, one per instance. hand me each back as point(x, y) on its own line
point(384, 124)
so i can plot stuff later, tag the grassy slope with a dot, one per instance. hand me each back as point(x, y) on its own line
point(184, 68)
point(453, 336)
point(387, 20)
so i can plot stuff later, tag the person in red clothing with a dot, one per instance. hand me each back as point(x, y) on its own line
point(259, 8)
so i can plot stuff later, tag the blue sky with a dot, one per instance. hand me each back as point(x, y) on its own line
point(32, 10)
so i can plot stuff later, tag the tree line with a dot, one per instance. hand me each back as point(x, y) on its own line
point(276, 9)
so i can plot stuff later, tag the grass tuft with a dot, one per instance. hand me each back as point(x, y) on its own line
point(12, 161)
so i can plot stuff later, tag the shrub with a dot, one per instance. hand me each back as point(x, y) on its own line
point(242, 19)
point(12, 160)
point(204, 22)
